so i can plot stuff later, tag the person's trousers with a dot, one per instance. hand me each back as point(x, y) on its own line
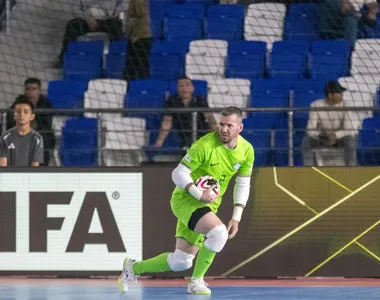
point(138, 59)
point(348, 143)
point(78, 26)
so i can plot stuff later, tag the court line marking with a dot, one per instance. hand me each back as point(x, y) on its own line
point(289, 234)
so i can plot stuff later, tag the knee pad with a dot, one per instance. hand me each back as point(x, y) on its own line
point(216, 238)
point(180, 260)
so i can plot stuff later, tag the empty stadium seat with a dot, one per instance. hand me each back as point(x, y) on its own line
point(115, 60)
point(105, 93)
point(79, 143)
point(149, 93)
point(246, 59)
point(304, 93)
point(302, 22)
point(224, 22)
point(369, 142)
point(206, 59)
point(183, 22)
point(167, 59)
point(83, 67)
point(264, 22)
point(366, 58)
point(260, 140)
point(287, 65)
point(270, 93)
point(281, 148)
point(124, 141)
point(95, 48)
point(291, 47)
point(329, 58)
point(229, 91)
point(66, 93)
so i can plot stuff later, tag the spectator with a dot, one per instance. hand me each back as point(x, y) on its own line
point(182, 122)
point(330, 128)
point(340, 19)
point(97, 16)
point(22, 146)
point(139, 36)
point(42, 122)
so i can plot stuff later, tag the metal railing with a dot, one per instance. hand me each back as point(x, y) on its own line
point(194, 112)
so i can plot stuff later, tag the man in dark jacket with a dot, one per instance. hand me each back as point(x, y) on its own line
point(42, 122)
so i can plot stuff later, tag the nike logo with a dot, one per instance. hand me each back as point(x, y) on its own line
point(211, 165)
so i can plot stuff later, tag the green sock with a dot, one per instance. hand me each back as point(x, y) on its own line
point(203, 262)
point(153, 265)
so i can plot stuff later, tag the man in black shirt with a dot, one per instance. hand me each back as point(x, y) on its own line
point(182, 122)
point(21, 146)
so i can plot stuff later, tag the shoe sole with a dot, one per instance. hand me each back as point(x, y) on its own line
point(119, 279)
point(200, 293)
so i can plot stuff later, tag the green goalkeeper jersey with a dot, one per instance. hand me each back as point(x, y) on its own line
point(208, 156)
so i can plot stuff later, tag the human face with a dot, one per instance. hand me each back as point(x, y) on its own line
point(185, 89)
point(23, 114)
point(229, 128)
point(336, 98)
point(33, 92)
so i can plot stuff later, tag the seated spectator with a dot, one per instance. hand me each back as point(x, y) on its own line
point(330, 128)
point(340, 19)
point(97, 16)
point(182, 122)
point(41, 122)
point(22, 146)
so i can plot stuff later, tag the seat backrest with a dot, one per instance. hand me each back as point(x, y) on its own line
point(291, 46)
point(226, 11)
point(173, 47)
point(247, 47)
point(185, 11)
point(149, 93)
point(209, 47)
point(95, 100)
point(266, 10)
point(117, 47)
point(340, 47)
point(305, 10)
point(307, 91)
point(86, 48)
point(114, 86)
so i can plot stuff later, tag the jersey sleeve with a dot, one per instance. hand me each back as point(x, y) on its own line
point(246, 167)
point(38, 154)
point(195, 156)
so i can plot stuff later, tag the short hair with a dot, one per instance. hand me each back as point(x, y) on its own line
point(232, 110)
point(24, 100)
point(32, 80)
point(184, 78)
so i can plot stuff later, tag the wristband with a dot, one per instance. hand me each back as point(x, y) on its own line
point(238, 211)
point(197, 193)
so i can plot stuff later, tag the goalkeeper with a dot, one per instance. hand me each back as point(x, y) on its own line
point(199, 231)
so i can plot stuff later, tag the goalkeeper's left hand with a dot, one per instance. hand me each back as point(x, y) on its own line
point(232, 228)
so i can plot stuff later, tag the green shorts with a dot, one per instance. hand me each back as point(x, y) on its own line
point(183, 207)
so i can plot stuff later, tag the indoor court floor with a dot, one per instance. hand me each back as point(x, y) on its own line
point(103, 289)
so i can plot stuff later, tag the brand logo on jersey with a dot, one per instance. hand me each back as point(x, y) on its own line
point(211, 164)
point(237, 166)
point(11, 146)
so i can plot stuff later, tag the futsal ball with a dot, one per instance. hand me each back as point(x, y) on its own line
point(206, 182)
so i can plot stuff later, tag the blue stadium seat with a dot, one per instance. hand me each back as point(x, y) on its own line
point(186, 11)
point(369, 142)
point(246, 59)
point(270, 93)
point(287, 65)
point(95, 48)
point(330, 58)
point(156, 26)
point(182, 29)
point(302, 22)
point(260, 141)
point(79, 143)
point(281, 148)
point(116, 60)
point(224, 22)
point(305, 92)
point(66, 93)
point(167, 59)
point(149, 93)
point(291, 47)
point(200, 88)
point(84, 67)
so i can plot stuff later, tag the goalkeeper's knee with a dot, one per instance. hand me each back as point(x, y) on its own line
point(180, 260)
point(216, 238)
